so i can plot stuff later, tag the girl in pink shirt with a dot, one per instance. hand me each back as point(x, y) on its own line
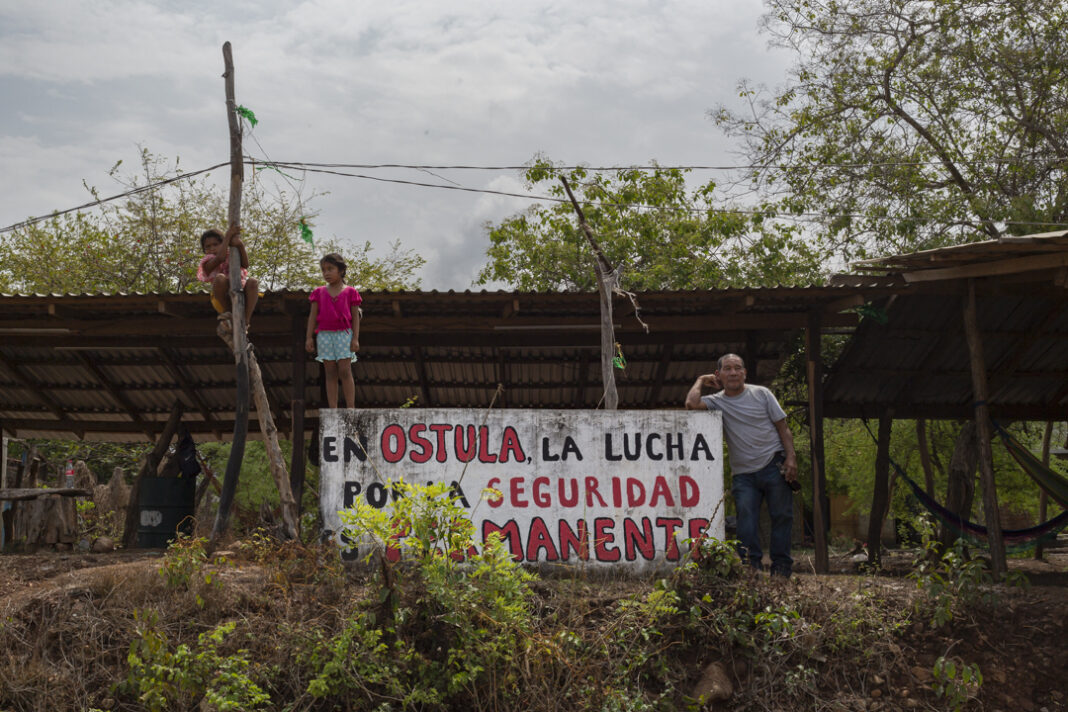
point(335, 323)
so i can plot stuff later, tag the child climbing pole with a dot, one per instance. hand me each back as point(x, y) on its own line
point(214, 269)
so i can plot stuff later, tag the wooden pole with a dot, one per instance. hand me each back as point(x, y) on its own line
point(296, 463)
point(1043, 498)
point(998, 564)
point(148, 469)
point(237, 311)
point(814, 356)
point(880, 500)
point(606, 283)
point(270, 442)
point(925, 456)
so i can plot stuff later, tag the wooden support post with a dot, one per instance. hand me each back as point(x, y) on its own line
point(6, 514)
point(237, 311)
point(270, 442)
point(148, 469)
point(925, 456)
point(608, 337)
point(3, 456)
point(607, 281)
point(27, 479)
point(998, 565)
point(880, 499)
point(820, 521)
point(661, 374)
point(424, 381)
point(1043, 498)
point(300, 369)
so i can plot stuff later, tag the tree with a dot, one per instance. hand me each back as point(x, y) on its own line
point(659, 232)
point(911, 124)
point(150, 241)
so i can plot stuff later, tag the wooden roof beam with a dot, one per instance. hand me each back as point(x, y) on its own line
point(187, 388)
point(939, 412)
point(116, 394)
point(989, 269)
point(29, 384)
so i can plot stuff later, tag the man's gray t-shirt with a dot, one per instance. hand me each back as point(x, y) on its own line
point(748, 425)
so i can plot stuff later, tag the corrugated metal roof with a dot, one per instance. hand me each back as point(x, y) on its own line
point(110, 366)
point(917, 363)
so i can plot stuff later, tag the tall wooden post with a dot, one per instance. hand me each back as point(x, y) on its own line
point(237, 300)
point(814, 356)
point(1043, 498)
point(982, 423)
point(606, 284)
point(880, 498)
point(925, 455)
point(608, 336)
point(296, 462)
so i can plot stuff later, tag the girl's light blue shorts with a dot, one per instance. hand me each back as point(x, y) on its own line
point(334, 345)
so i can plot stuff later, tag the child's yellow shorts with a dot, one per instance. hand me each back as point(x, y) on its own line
point(218, 305)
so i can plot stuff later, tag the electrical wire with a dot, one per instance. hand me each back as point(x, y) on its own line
point(141, 189)
point(651, 167)
point(325, 169)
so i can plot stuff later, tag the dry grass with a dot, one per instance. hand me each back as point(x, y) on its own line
point(855, 642)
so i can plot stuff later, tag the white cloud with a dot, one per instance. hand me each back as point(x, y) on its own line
point(480, 82)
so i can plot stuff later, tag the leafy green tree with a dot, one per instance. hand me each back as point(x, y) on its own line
point(150, 241)
point(910, 124)
point(658, 231)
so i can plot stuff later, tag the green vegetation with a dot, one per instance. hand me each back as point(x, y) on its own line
point(165, 679)
point(907, 125)
point(659, 232)
point(150, 242)
point(956, 681)
point(434, 624)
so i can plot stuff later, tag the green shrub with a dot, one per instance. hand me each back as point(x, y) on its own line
point(164, 679)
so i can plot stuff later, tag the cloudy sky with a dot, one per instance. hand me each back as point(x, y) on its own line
point(427, 82)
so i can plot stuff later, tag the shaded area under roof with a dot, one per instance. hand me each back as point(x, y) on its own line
point(917, 362)
point(110, 366)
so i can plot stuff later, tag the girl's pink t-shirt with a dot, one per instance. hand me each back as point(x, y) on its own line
point(335, 313)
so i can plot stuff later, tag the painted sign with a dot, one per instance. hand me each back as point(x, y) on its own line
point(602, 487)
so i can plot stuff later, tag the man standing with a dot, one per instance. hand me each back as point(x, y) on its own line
point(763, 462)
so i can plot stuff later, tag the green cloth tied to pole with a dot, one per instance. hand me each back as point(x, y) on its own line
point(306, 232)
point(247, 113)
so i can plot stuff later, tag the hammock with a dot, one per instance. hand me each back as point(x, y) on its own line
point(1054, 485)
point(1015, 539)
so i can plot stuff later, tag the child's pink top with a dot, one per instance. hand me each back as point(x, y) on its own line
point(335, 313)
point(224, 268)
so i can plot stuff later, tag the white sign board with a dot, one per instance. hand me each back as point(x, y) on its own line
point(612, 488)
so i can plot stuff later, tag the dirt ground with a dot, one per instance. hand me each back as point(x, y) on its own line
point(1022, 650)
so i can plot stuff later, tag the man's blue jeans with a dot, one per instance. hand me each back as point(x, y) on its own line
point(750, 489)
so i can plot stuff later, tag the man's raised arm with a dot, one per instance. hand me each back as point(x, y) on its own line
point(693, 398)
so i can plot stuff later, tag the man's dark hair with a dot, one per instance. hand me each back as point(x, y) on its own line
point(336, 260)
point(213, 232)
point(719, 361)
